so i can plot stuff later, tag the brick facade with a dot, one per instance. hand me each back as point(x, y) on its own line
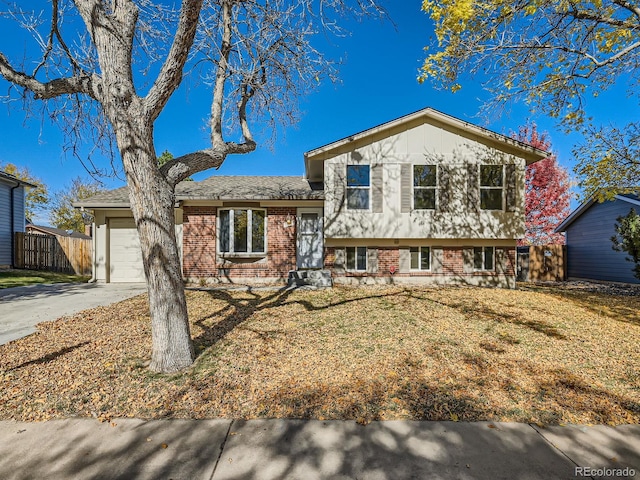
point(200, 262)
point(199, 242)
point(452, 270)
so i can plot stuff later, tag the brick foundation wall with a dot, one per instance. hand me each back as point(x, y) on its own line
point(199, 248)
point(452, 268)
point(452, 261)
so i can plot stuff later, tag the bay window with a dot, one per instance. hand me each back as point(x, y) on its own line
point(242, 230)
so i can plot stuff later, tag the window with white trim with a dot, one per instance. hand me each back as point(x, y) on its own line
point(356, 258)
point(358, 187)
point(424, 187)
point(242, 230)
point(491, 187)
point(420, 258)
point(484, 258)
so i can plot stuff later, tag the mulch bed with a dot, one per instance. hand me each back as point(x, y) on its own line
point(541, 354)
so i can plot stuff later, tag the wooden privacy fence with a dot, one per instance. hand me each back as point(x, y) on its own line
point(542, 263)
point(57, 254)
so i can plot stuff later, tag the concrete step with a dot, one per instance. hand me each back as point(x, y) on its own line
point(315, 278)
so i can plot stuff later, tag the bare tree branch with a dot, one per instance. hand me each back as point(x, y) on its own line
point(54, 33)
point(182, 167)
point(221, 76)
point(170, 75)
point(80, 84)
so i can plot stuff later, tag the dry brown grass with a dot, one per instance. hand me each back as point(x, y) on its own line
point(544, 355)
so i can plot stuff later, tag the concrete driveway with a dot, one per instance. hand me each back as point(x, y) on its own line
point(21, 308)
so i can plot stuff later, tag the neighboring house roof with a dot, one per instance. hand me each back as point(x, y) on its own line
point(58, 232)
point(13, 179)
point(633, 200)
point(220, 187)
point(529, 153)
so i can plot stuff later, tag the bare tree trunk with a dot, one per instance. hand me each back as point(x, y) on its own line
point(152, 202)
point(261, 47)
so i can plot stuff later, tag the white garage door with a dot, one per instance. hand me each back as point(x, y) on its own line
point(124, 251)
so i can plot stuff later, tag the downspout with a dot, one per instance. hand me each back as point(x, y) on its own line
point(93, 278)
point(13, 224)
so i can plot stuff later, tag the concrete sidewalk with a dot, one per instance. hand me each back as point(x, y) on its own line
point(298, 449)
point(22, 308)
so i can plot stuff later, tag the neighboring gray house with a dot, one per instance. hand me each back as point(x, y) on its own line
point(12, 219)
point(589, 249)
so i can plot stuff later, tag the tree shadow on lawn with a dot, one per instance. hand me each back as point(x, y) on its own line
point(574, 394)
point(484, 312)
point(237, 310)
point(558, 396)
point(619, 308)
point(622, 307)
point(49, 356)
point(555, 391)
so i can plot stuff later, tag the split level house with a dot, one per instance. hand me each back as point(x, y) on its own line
point(425, 198)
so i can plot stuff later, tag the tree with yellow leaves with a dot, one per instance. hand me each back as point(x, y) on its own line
point(37, 197)
point(554, 55)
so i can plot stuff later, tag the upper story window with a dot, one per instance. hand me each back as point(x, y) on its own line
point(424, 187)
point(243, 230)
point(491, 187)
point(358, 187)
point(484, 258)
point(420, 258)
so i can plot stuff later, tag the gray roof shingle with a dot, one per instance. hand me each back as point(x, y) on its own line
point(227, 188)
point(12, 178)
point(59, 232)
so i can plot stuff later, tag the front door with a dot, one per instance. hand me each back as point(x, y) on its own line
point(310, 238)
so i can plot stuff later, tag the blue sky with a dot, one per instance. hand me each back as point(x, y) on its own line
point(378, 83)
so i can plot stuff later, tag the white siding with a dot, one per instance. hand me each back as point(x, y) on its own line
point(117, 255)
point(422, 144)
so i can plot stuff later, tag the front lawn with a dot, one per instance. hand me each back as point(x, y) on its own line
point(21, 278)
point(532, 355)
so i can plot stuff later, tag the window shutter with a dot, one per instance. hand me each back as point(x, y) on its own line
point(406, 188)
point(340, 186)
point(467, 258)
point(372, 260)
point(502, 260)
point(340, 259)
point(376, 188)
point(510, 181)
point(444, 194)
point(404, 260)
point(437, 259)
point(473, 189)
